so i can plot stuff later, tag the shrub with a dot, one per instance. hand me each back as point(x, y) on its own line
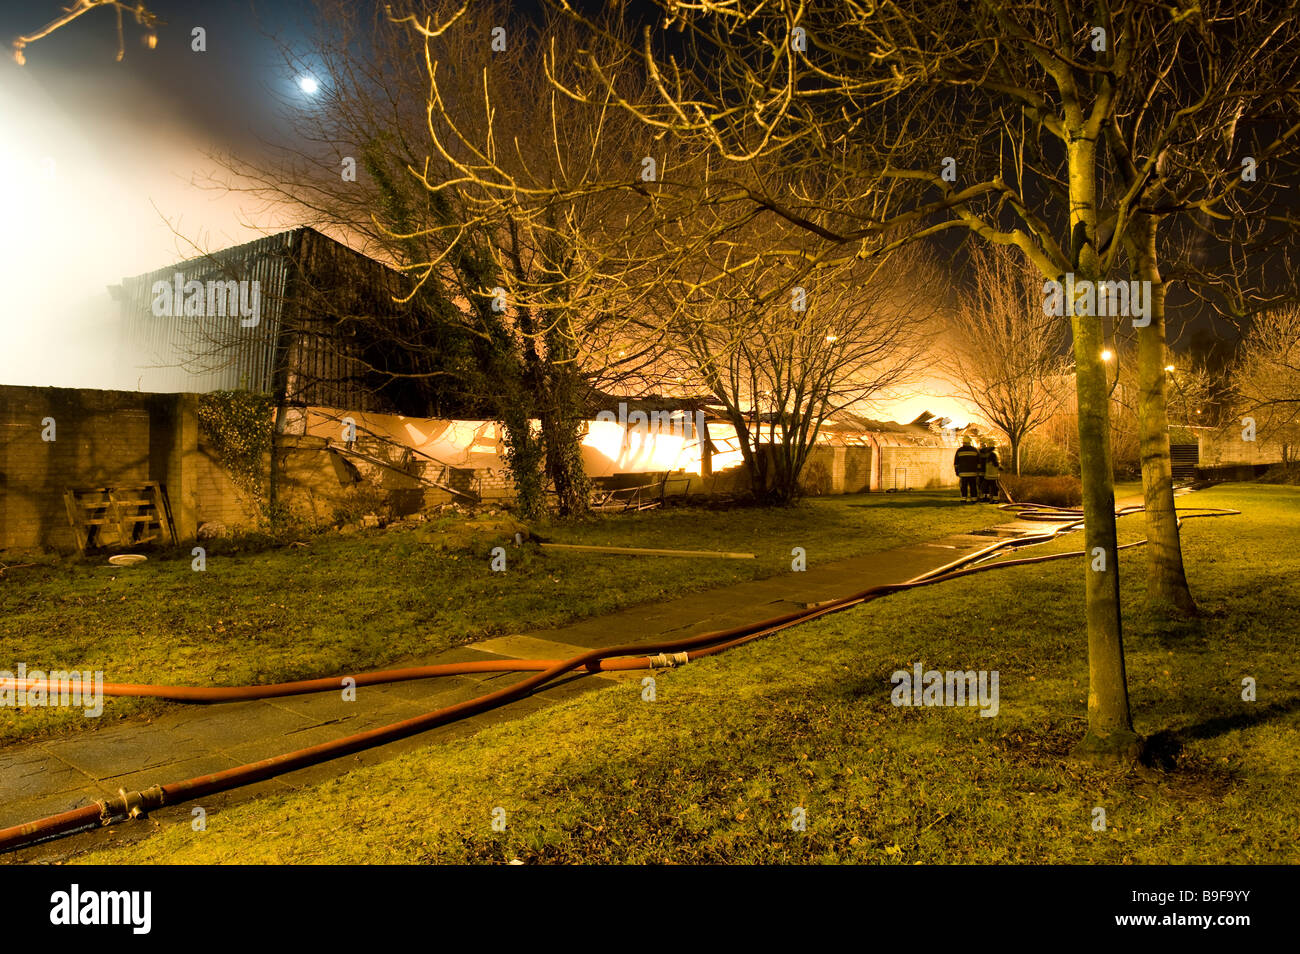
point(1052, 491)
point(1045, 457)
point(361, 499)
point(1281, 474)
point(239, 425)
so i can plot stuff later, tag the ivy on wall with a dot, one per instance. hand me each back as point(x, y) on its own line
point(239, 425)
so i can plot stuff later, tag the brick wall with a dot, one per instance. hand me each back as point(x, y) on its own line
point(103, 438)
point(100, 438)
point(116, 437)
point(837, 470)
point(492, 483)
point(858, 467)
point(217, 499)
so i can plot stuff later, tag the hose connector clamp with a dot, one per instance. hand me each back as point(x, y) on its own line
point(668, 660)
point(130, 804)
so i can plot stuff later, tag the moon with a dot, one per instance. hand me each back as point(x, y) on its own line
point(308, 84)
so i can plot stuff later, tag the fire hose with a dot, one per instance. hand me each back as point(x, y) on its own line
point(633, 656)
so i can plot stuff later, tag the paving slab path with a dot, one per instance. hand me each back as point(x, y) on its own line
point(45, 777)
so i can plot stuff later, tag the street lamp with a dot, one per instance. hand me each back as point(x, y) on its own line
point(1107, 355)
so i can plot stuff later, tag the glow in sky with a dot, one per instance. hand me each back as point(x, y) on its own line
point(101, 172)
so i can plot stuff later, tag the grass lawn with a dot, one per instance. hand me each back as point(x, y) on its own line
point(714, 769)
point(375, 599)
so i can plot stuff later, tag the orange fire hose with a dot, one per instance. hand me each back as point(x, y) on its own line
point(618, 658)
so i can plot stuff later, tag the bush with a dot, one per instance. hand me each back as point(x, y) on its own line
point(1052, 491)
point(239, 425)
point(1281, 474)
point(362, 499)
point(1045, 457)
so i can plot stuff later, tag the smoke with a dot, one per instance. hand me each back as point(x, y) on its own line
point(91, 195)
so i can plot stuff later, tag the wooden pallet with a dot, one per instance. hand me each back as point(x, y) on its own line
point(123, 515)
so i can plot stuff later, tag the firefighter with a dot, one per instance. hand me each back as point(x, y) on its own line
point(983, 444)
point(966, 462)
point(990, 472)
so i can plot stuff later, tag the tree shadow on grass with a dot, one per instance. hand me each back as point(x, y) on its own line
point(1177, 633)
point(1164, 748)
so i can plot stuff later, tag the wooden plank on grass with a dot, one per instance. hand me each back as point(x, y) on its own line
point(643, 551)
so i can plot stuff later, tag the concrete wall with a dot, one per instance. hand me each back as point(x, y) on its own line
point(1225, 447)
point(838, 470)
point(917, 468)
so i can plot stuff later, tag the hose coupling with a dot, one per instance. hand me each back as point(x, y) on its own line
point(668, 660)
point(130, 804)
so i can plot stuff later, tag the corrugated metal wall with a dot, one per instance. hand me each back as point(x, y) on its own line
point(304, 348)
point(208, 352)
point(335, 297)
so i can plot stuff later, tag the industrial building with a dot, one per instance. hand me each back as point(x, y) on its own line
point(313, 324)
point(310, 324)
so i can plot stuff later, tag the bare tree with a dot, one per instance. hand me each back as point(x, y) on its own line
point(1266, 377)
point(1009, 120)
point(897, 122)
point(1203, 125)
point(528, 168)
point(1197, 392)
point(1003, 354)
point(143, 16)
point(441, 148)
point(782, 347)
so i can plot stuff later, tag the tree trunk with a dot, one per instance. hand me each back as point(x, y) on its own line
point(564, 465)
point(1110, 726)
point(1167, 590)
point(273, 477)
point(706, 449)
point(790, 454)
point(753, 455)
point(562, 433)
point(562, 426)
point(524, 454)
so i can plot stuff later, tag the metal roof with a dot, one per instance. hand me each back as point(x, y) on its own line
point(299, 350)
